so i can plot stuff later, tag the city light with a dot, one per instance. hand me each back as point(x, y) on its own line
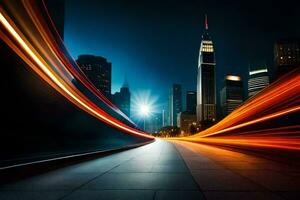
point(143, 106)
point(145, 110)
point(233, 78)
point(143, 103)
point(258, 71)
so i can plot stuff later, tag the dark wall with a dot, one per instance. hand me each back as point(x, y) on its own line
point(38, 122)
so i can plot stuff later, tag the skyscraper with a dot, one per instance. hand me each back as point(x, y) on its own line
point(175, 103)
point(185, 121)
point(191, 102)
point(286, 56)
point(122, 99)
point(258, 80)
point(154, 123)
point(231, 94)
point(206, 80)
point(98, 71)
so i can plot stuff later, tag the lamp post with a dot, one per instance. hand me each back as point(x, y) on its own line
point(144, 112)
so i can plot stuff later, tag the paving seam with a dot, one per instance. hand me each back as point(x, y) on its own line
point(77, 188)
point(199, 188)
point(263, 187)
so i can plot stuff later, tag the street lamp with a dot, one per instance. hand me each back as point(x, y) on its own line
point(143, 106)
point(145, 111)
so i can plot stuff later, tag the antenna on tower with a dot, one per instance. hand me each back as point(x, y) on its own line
point(206, 22)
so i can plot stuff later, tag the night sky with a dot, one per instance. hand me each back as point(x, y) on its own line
point(156, 43)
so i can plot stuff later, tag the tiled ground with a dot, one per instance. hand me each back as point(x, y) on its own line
point(154, 171)
point(163, 170)
point(225, 174)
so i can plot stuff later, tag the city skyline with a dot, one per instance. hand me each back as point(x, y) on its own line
point(208, 90)
point(207, 93)
point(65, 134)
point(235, 41)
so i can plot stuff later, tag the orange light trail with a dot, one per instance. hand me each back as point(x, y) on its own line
point(38, 44)
point(280, 99)
point(51, 65)
point(268, 117)
point(250, 125)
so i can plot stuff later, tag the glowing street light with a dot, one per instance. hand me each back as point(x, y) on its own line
point(144, 104)
point(145, 111)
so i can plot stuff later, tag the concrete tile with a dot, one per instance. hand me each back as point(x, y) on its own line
point(251, 166)
point(195, 165)
point(290, 195)
point(88, 168)
point(256, 166)
point(169, 168)
point(223, 180)
point(146, 158)
point(220, 158)
point(111, 195)
point(32, 195)
point(272, 180)
point(143, 181)
point(179, 195)
point(197, 159)
point(133, 167)
point(50, 181)
point(170, 157)
point(188, 154)
point(241, 196)
point(170, 162)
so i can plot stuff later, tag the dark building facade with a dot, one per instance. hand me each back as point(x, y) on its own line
point(231, 94)
point(258, 80)
point(191, 101)
point(154, 123)
point(122, 99)
point(175, 103)
point(206, 79)
point(286, 56)
point(98, 71)
point(185, 121)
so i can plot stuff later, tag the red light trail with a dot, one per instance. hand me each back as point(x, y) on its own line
point(280, 99)
point(32, 35)
point(32, 39)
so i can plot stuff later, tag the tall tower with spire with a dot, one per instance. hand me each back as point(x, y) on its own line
point(206, 79)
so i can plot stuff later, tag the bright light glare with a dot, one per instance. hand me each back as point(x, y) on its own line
point(144, 104)
point(144, 110)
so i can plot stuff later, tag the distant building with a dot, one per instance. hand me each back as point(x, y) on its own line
point(258, 80)
point(206, 80)
point(122, 99)
point(98, 71)
point(164, 117)
point(175, 103)
point(191, 101)
point(185, 121)
point(154, 123)
point(231, 94)
point(56, 10)
point(286, 56)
